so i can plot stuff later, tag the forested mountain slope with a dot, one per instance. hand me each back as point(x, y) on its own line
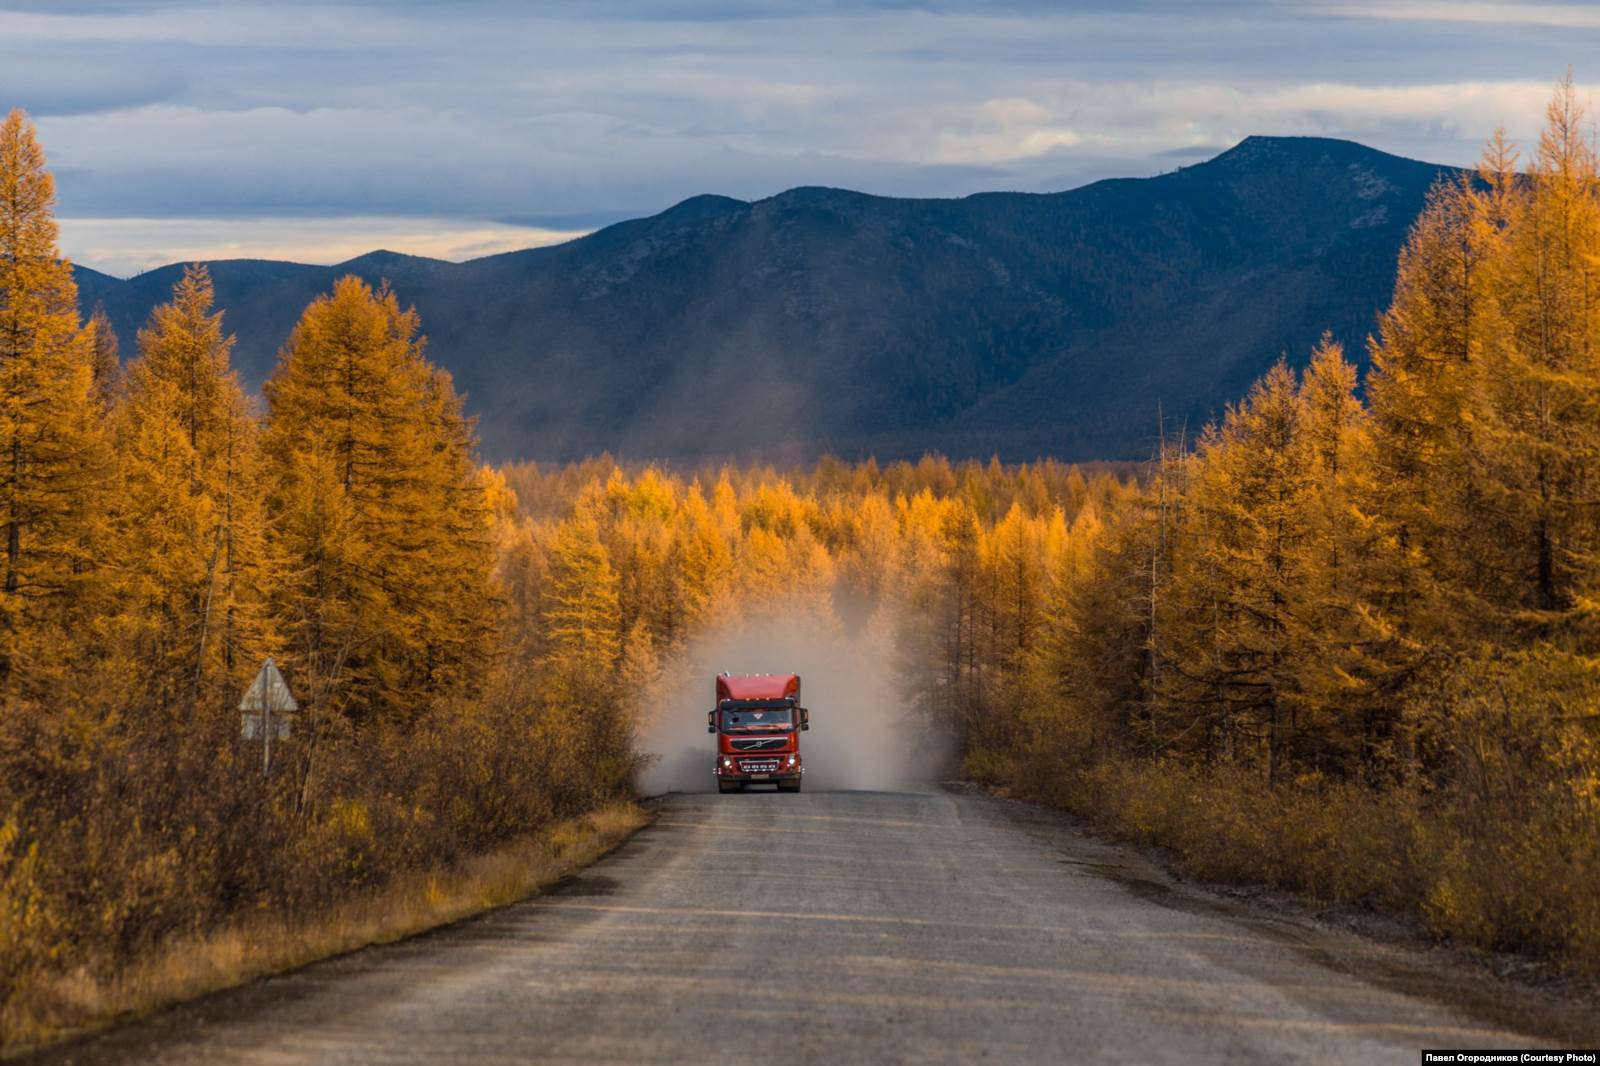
point(822, 319)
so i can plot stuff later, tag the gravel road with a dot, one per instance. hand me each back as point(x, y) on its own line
point(851, 927)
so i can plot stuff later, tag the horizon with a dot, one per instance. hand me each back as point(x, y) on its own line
point(184, 131)
point(557, 238)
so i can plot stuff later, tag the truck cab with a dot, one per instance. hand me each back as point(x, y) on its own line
point(757, 719)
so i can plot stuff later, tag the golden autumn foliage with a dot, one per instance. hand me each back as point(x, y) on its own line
point(53, 459)
point(1344, 641)
point(163, 534)
point(377, 513)
point(189, 522)
point(1351, 649)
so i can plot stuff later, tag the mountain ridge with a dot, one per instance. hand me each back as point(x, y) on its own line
point(822, 319)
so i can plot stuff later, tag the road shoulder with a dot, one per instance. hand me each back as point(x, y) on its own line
point(1503, 988)
point(76, 1011)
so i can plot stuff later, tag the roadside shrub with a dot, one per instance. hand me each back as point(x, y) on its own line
point(1476, 868)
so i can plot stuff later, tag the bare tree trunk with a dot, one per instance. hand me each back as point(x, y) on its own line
point(205, 624)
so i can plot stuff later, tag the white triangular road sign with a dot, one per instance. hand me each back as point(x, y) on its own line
point(268, 692)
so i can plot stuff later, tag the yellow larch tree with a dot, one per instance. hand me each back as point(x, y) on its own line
point(1537, 515)
point(379, 519)
point(583, 717)
point(1091, 672)
point(640, 518)
point(871, 572)
point(107, 361)
point(700, 569)
point(583, 612)
point(1236, 624)
point(1421, 393)
point(54, 464)
point(190, 529)
point(1349, 660)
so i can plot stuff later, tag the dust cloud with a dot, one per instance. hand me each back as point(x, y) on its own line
point(861, 737)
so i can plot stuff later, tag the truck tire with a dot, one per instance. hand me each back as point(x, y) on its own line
point(791, 786)
point(728, 786)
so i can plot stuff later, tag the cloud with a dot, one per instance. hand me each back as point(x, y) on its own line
point(1192, 151)
point(126, 246)
point(51, 84)
point(1564, 16)
point(472, 111)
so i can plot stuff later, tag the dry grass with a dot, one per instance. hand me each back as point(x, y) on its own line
point(1507, 873)
point(72, 1004)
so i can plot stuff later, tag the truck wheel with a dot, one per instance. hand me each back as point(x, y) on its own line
point(790, 786)
point(728, 786)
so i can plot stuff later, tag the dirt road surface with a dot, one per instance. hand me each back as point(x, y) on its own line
point(856, 927)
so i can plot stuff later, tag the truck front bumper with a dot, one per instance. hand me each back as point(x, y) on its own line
point(757, 770)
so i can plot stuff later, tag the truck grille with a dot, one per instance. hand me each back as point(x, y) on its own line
point(758, 766)
point(758, 743)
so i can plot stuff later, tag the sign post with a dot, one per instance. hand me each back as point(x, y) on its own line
point(267, 696)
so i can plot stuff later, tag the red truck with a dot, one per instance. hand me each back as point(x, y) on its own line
point(758, 721)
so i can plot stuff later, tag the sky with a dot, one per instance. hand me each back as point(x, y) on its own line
point(457, 128)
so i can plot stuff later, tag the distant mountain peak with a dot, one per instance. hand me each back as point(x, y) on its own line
point(1258, 150)
point(383, 258)
point(818, 194)
point(704, 206)
point(825, 319)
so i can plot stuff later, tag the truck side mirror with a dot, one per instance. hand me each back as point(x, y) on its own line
point(805, 719)
point(711, 721)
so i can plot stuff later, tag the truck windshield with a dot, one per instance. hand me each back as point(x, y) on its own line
point(757, 720)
